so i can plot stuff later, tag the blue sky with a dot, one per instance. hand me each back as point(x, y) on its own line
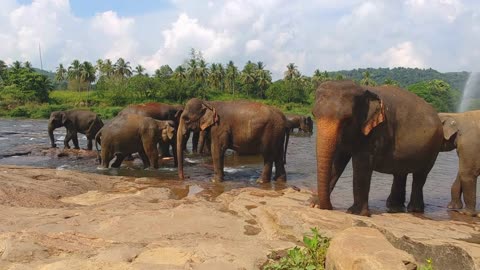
point(313, 34)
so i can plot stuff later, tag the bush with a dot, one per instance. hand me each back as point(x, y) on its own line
point(438, 93)
point(20, 111)
point(44, 110)
point(107, 112)
point(311, 257)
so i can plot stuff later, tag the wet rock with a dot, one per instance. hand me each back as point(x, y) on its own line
point(365, 248)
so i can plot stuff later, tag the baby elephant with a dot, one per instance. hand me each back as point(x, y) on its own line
point(132, 133)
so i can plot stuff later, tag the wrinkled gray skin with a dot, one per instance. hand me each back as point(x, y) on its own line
point(303, 123)
point(385, 129)
point(246, 127)
point(81, 121)
point(461, 131)
point(132, 133)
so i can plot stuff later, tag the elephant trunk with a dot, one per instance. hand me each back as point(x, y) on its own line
point(327, 134)
point(51, 128)
point(180, 141)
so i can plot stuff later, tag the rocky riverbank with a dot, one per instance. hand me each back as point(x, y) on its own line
point(60, 219)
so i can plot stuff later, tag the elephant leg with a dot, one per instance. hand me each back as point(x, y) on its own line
point(362, 175)
point(106, 157)
point(267, 170)
point(340, 161)
point(152, 153)
point(75, 140)
point(201, 141)
point(144, 158)
point(416, 203)
point(396, 199)
point(280, 173)
point(174, 151)
point(68, 138)
point(195, 139)
point(90, 144)
point(456, 194)
point(468, 182)
point(164, 150)
point(118, 160)
point(218, 158)
point(185, 141)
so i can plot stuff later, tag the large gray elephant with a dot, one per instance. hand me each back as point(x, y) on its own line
point(386, 129)
point(461, 131)
point(246, 127)
point(302, 122)
point(132, 133)
point(82, 121)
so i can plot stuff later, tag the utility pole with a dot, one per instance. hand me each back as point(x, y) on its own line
point(40, 53)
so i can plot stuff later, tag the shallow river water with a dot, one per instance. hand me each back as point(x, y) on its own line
point(19, 137)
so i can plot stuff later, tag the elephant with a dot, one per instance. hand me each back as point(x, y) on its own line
point(303, 123)
point(131, 133)
point(82, 121)
point(461, 131)
point(246, 127)
point(385, 129)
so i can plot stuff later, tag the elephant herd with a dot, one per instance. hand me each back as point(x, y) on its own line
point(385, 129)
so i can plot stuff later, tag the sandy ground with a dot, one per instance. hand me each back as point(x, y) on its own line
point(61, 219)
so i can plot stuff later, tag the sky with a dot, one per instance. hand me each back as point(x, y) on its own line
point(313, 34)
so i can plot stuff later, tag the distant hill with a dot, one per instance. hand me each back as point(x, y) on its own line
point(406, 76)
point(47, 73)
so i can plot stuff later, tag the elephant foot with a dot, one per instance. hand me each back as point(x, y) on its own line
point(263, 181)
point(76, 148)
point(315, 203)
point(396, 209)
point(455, 204)
point(281, 178)
point(359, 210)
point(414, 207)
point(216, 179)
point(468, 212)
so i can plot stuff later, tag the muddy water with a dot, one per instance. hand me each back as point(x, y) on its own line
point(25, 142)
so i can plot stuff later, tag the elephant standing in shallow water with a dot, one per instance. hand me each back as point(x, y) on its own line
point(303, 123)
point(461, 131)
point(246, 127)
point(82, 121)
point(386, 129)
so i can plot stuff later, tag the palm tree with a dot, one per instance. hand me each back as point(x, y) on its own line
point(164, 72)
point(264, 79)
point(221, 75)
point(180, 73)
point(99, 67)
point(74, 72)
point(231, 75)
point(16, 66)
point(291, 72)
point(367, 80)
point(108, 68)
point(28, 66)
point(192, 69)
point(390, 81)
point(122, 68)
point(87, 73)
point(248, 74)
point(213, 76)
point(139, 70)
point(202, 74)
point(3, 68)
point(60, 73)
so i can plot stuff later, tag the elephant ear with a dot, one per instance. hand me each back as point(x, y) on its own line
point(375, 113)
point(168, 131)
point(63, 117)
point(209, 117)
point(177, 115)
point(450, 127)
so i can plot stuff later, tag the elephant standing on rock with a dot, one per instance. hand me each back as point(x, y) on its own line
point(131, 133)
point(85, 122)
point(461, 131)
point(386, 129)
point(303, 123)
point(246, 127)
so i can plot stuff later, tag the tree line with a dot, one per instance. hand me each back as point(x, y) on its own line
point(117, 83)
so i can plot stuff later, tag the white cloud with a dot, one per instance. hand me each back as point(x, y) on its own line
point(253, 45)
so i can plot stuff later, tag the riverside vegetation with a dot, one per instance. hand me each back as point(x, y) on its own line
point(107, 87)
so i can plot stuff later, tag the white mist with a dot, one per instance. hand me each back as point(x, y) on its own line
point(471, 88)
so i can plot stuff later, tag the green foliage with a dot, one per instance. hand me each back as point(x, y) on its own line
point(311, 257)
point(438, 93)
point(428, 266)
point(22, 85)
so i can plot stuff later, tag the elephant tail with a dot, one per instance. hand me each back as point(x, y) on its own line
point(287, 136)
point(98, 140)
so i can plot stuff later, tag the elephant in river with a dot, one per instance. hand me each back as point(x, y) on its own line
point(131, 133)
point(385, 129)
point(246, 127)
point(82, 121)
point(303, 123)
point(461, 131)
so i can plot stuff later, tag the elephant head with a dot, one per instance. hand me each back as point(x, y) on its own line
point(450, 131)
point(197, 115)
point(344, 113)
point(57, 119)
point(307, 124)
point(168, 131)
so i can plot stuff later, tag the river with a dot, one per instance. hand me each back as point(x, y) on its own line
point(25, 142)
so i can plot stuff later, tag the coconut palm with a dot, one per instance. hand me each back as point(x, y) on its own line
point(16, 66)
point(390, 81)
point(164, 72)
point(180, 73)
point(74, 72)
point(108, 68)
point(60, 73)
point(367, 80)
point(264, 79)
point(139, 70)
point(231, 75)
point(3, 68)
point(248, 75)
point(192, 69)
point(122, 68)
point(28, 66)
point(87, 73)
point(291, 72)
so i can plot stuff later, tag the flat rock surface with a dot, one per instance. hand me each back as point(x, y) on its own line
point(60, 219)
